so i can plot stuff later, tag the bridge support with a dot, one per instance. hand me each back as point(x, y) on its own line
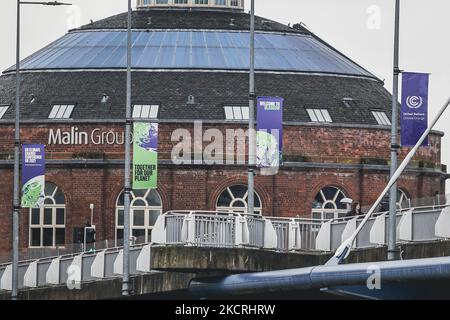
point(378, 231)
point(30, 279)
point(442, 229)
point(98, 265)
point(404, 228)
point(52, 275)
point(6, 280)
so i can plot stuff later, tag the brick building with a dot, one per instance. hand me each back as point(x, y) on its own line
point(190, 65)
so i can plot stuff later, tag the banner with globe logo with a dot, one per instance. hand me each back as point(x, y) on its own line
point(269, 139)
point(33, 175)
point(414, 116)
point(145, 156)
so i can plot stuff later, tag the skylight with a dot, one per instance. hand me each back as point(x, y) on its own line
point(61, 111)
point(236, 113)
point(3, 110)
point(381, 118)
point(319, 115)
point(145, 111)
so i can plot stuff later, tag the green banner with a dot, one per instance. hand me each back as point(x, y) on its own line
point(145, 156)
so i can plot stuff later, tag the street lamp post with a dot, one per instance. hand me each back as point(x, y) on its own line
point(16, 192)
point(127, 184)
point(392, 251)
point(251, 115)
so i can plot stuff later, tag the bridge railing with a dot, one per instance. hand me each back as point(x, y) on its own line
point(425, 223)
point(229, 229)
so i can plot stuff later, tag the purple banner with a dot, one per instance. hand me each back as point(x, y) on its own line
point(33, 175)
point(269, 143)
point(414, 116)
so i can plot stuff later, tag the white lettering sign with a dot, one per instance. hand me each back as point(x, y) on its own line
point(76, 137)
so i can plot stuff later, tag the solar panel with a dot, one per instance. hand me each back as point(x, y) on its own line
point(169, 49)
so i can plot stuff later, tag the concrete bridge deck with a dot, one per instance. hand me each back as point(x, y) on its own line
point(174, 266)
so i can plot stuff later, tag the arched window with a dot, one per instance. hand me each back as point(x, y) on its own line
point(48, 223)
point(234, 199)
point(146, 206)
point(403, 201)
point(327, 204)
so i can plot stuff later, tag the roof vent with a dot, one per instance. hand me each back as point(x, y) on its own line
point(191, 100)
point(149, 22)
point(232, 23)
point(349, 102)
point(105, 98)
point(32, 99)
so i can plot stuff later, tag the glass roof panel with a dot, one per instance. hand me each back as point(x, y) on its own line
point(196, 49)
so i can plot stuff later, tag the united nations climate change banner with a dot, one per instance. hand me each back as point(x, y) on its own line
point(33, 175)
point(269, 142)
point(414, 117)
point(145, 155)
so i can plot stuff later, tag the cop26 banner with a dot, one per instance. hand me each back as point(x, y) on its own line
point(269, 141)
point(145, 155)
point(414, 116)
point(33, 175)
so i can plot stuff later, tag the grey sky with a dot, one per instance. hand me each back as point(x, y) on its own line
point(362, 29)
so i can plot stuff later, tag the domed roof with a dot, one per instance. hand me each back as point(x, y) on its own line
point(199, 53)
point(182, 39)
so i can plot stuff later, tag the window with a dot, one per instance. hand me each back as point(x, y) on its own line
point(319, 115)
point(145, 111)
point(47, 224)
point(403, 201)
point(327, 204)
point(3, 110)
point(145, 209)
point(61, 111)
point(236, 113)
point(201, 1)
point(381, 118)
point(221, 2)
point(234, 199)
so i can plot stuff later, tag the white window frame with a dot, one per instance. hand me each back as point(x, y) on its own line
point(236, 113)
point(145, 111)
point(319, 115)
point(147, 209)
point(234, 199)
point(324, 212)
point(3, 110)
point(402, 196)
point(54, 207)
point(61, 111)
point(381, 118)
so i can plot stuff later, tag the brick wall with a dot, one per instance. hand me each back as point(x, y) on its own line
point(290, 193)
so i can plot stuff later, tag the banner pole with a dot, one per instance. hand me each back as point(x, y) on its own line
point(392, 250)
point(251, 116)
point(127, 184)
